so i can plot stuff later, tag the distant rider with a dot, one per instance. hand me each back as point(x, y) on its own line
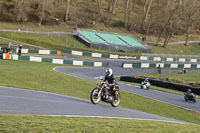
point(146, 80)
point(189, 92)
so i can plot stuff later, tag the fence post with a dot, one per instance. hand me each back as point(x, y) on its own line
point(163, 58)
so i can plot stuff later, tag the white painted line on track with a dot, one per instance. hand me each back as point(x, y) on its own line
point(123, 118)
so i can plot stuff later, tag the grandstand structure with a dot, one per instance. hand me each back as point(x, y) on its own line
point(108, 41)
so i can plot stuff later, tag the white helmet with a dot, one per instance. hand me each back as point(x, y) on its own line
point(109, 72)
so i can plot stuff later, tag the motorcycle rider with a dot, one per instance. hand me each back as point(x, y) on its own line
point(189, 92)
point(189, 96)
point(145, 84)
point(109, 77)
point(146, 80)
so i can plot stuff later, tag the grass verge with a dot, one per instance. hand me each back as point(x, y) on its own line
point(40, 124)
point(41, 77)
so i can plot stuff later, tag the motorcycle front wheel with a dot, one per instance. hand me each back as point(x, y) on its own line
point(94, 96)
point(186, 98)
point(116, 102)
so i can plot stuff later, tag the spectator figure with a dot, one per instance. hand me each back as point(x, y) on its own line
point(20, 50)
point(159, 69)
point(184, 71)
point(143, 39)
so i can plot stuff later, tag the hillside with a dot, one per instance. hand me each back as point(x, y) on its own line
point(158, 21)
point(163, 19)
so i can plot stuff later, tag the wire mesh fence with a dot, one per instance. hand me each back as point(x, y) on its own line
point(120, 48)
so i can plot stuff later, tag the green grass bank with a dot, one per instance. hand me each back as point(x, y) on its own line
point(43, 124)
point(41, 77)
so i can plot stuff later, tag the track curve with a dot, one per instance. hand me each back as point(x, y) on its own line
point(29, 102)
point(93, 73)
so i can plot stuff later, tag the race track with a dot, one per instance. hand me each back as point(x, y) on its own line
point(28, 102)
point(93, 73)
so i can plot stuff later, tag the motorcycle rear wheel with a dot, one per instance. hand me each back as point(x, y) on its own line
point(194, 101)
point(94, 96)
point(116, 102)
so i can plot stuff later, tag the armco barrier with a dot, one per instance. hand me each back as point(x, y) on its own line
point(162, 65)
point(101, 55)
point(161, 84)
point(58, 61)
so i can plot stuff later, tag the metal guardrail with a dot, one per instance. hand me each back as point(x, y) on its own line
point(170, 55)
point(119, 48)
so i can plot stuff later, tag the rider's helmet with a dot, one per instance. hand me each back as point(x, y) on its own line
point(147, 79)
point(189, 90)
point(109, 72)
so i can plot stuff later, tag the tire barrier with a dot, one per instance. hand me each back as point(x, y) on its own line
point(55, 61)
point(113, 56)
point(162, 84)
point(143, 58)
point(72, 52)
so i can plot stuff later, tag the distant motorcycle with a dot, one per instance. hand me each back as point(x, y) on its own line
point(145, 85)
point(105, 93)
point(189, 97)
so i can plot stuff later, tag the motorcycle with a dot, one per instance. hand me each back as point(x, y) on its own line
point(145, 86)
point(189, 97)
point(104, 93)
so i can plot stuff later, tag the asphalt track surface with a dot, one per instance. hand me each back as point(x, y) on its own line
point(29, 102)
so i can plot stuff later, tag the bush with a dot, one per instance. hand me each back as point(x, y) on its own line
point(7, 17)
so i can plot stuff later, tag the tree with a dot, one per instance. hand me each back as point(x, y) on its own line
point(167, 27)
point(67, 10)
point(149, 24)
point(43, 4)
point(126, 13)
point(21, 10)
point(146, 9)
point(99, 2)
point(110, 5)
point(114, 2)
point(190, 10)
